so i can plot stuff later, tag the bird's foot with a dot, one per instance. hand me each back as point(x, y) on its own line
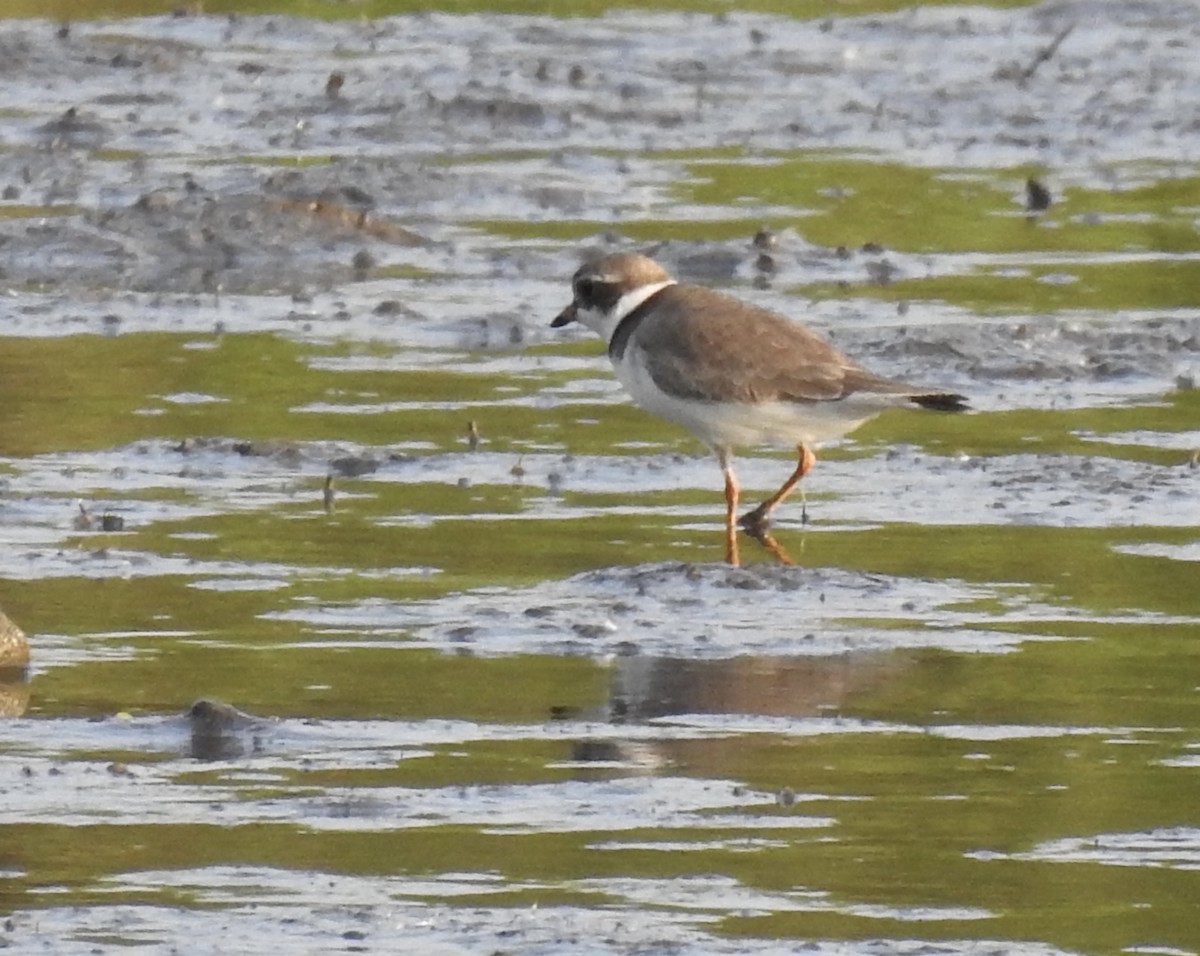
point(767, 540)
point(755, 523)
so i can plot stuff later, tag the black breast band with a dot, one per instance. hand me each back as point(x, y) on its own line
point(628, 325)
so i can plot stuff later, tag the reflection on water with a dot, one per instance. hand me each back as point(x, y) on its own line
point(647, 687)
point(14, 646)
point(650, 691)
point(14, 667)
point(511, 699)
point(14, 696)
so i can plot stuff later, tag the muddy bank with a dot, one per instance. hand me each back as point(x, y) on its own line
point(212, 154)
point(283, 424)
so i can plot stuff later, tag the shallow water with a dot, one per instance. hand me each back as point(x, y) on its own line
point(500, 694)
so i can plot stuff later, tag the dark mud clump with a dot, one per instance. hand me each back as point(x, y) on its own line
point(219, 731)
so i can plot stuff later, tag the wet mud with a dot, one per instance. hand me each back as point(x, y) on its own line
point(283, 424)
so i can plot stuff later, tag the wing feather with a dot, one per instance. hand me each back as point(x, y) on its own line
point(717, 348)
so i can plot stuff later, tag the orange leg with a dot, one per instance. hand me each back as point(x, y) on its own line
point(756, 521)
point(731, 504)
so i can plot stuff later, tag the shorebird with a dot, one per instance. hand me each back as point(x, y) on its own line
point(732, 373)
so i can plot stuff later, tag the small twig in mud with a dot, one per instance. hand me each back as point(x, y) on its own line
point(1045, 53)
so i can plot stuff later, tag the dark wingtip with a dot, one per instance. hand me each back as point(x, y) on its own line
point(565, 317)
point(942, 402)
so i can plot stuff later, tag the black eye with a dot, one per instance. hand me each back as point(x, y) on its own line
point(585, 290)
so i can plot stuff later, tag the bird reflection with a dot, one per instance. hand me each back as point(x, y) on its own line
point(646, 688)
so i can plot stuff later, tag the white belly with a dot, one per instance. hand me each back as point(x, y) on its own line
point(736, 424)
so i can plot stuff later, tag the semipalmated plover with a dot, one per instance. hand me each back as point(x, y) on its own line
point(732, 373)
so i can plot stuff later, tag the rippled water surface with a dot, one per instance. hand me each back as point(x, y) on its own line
point(283, 425)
